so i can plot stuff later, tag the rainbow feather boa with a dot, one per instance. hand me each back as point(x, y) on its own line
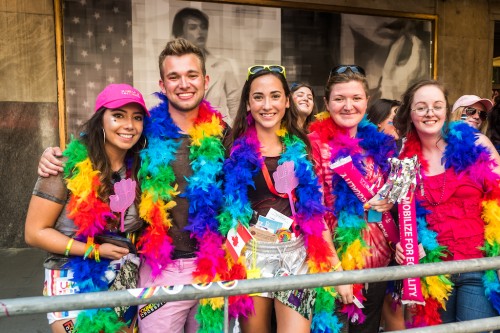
point(466, 158)
point(348, 209)
point(89, 214)
point(204, 195)
point(243, 164)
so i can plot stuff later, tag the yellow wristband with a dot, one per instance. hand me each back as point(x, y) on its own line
point(68, 247)
point(337, 266)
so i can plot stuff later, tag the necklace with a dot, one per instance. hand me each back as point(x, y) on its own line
point(244, 163)
point(348, 209)
point(443, 188)
point(90, 215)
point(203, 192)
point(465, 157)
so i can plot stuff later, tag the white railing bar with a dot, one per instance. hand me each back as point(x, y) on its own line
point(43, 304)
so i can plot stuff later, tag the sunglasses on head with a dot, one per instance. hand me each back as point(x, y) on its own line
point(343, 68)
point(271, 68)
point(470, 111)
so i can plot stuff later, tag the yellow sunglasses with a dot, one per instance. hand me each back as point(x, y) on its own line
point(272, 68)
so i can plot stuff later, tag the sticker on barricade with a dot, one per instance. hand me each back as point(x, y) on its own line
point(172, 290)
point(228, 285)
point(144, 293)
point(202, 286)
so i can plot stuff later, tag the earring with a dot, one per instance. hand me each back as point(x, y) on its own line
point(104, 135)
point(137, 149)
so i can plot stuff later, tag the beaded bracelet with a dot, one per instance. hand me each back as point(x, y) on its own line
point(337, 266)
point(68, 247)
point(96, 253)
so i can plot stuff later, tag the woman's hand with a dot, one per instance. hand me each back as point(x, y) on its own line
point(111, 251)
point(379, 205)
point(400, 257)
point(345, 293)
point(49, 164)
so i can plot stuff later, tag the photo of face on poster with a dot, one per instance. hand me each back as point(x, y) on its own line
point(232, 37)
point(394, 51)
point(121, 43)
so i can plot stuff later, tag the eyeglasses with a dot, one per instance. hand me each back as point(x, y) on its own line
point(422, 110)
point(343, 68)
point(252, 70)
point(470, 111)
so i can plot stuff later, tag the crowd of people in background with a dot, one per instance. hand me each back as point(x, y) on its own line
point(148, 197)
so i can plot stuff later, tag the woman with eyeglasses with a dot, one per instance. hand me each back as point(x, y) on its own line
point(342, 133)
point(473, 110)
point(457, 205)
point(304, 99)
point(271, 189)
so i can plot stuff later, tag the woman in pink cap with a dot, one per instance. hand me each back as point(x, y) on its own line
point(75, 216)
point(473, 110)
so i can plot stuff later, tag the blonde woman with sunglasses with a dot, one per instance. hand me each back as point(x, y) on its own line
point(265, 141)
point(473, 110)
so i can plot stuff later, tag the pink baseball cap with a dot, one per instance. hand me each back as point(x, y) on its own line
point(117, 95)
point(468, 100)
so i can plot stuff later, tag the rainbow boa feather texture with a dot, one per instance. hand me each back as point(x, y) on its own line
point(471, 159)
point(348, 209)
point(203, 192)
point(239, 170)
point(89, 214)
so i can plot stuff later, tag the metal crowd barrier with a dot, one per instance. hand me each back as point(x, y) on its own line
point(43, 304)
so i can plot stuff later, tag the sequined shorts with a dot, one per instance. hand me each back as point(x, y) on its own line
point(282, 259)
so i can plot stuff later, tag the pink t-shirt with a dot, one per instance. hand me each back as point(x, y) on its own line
point(457, 216)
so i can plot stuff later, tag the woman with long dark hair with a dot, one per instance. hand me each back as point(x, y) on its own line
point(82, 217)
point(305, 103)
point(267, 151)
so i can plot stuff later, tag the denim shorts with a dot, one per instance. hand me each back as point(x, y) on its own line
point(282, 259)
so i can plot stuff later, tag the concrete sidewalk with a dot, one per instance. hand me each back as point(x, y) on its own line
point(22, 275)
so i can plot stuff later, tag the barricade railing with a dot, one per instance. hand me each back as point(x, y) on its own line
point(43, 304)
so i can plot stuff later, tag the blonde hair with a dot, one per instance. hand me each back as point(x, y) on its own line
point(457, 115)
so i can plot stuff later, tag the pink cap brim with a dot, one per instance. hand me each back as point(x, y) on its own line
point(123, 101)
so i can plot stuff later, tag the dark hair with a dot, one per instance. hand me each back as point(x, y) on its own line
point(289, 120)
point(93, 138)
point(296, 86)
point(181, 15)
point(402, 120)
point(179, 47)
point(380, 110)
point(346, 76)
